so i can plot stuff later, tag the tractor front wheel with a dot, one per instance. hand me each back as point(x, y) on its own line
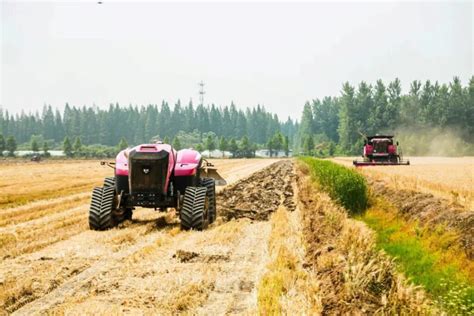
point(101, 212)
point(194, 213)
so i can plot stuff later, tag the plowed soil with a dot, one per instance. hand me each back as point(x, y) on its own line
point(52, 263)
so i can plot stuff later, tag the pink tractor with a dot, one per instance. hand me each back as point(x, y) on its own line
point(380, 150)
point(157, 176)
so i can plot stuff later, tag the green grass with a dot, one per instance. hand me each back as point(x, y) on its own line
point(345, 186)
point(439, 272)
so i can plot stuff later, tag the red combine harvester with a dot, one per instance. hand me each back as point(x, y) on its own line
point(157, 176)
point(379, 150)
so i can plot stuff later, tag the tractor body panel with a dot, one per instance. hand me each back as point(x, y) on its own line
point(187, 163)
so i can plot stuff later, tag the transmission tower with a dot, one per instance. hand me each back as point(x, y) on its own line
point(201, 92)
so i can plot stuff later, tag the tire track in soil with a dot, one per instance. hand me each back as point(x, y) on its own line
point(226, 262)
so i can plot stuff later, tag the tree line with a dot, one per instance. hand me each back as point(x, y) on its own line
point(92, 132)
point(335, 124)
point(141, 124)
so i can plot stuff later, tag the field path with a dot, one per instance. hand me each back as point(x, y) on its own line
point(145, 264)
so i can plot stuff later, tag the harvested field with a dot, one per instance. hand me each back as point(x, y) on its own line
point(278, 246)
point(71, 269)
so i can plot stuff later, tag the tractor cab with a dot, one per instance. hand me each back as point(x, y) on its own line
point(381, 144)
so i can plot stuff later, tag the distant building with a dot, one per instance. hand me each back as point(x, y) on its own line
point(263, 153)
point(216, 154)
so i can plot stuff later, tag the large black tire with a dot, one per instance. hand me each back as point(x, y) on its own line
point(194, 212)
point(210, 184)
point(109, 182)
point(101, 212)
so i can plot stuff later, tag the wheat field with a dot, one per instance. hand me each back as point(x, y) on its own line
point(451, 178)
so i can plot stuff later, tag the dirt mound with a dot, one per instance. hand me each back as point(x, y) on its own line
point(430, 210)
point(259, 195)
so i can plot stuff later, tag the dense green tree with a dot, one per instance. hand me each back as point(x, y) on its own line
point(247, 149)
point(67, 147)
point(278, 141)
point(223, 145)
point(176, 143)
point(77, 146)
point(2, 145)
point(34, 145)
point(378, 117)
point(122, 144)
point(364, 109)
point(308, 146)
point(286, 146)
point(307, 124)
point(166, 140)
point(11, 145)
point(46, 149)
point(394, 101)
point(210, 144)
point(331, 149)
point(233, 147)
point(270, 146)
point(348, 125)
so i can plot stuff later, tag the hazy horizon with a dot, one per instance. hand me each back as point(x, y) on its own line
point(278, 55)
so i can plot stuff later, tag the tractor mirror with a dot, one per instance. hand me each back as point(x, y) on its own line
point(397, 143)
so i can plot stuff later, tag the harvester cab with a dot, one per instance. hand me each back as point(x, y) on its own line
point(381, 150)
point(157, 176)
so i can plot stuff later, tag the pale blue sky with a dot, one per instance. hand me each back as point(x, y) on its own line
point(275, 54)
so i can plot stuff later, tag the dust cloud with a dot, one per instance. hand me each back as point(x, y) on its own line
point(434, 141)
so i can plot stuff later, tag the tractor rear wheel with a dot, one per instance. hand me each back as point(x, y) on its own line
point(101, 212)
point(210, 184)
point(194, 213)
point(109, 182)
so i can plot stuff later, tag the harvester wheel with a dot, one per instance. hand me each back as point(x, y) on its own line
point(210, 184)
point(101, 215)
point(109, 182)
point(194, 212)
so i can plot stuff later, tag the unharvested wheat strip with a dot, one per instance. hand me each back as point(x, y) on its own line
point(68, 288)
